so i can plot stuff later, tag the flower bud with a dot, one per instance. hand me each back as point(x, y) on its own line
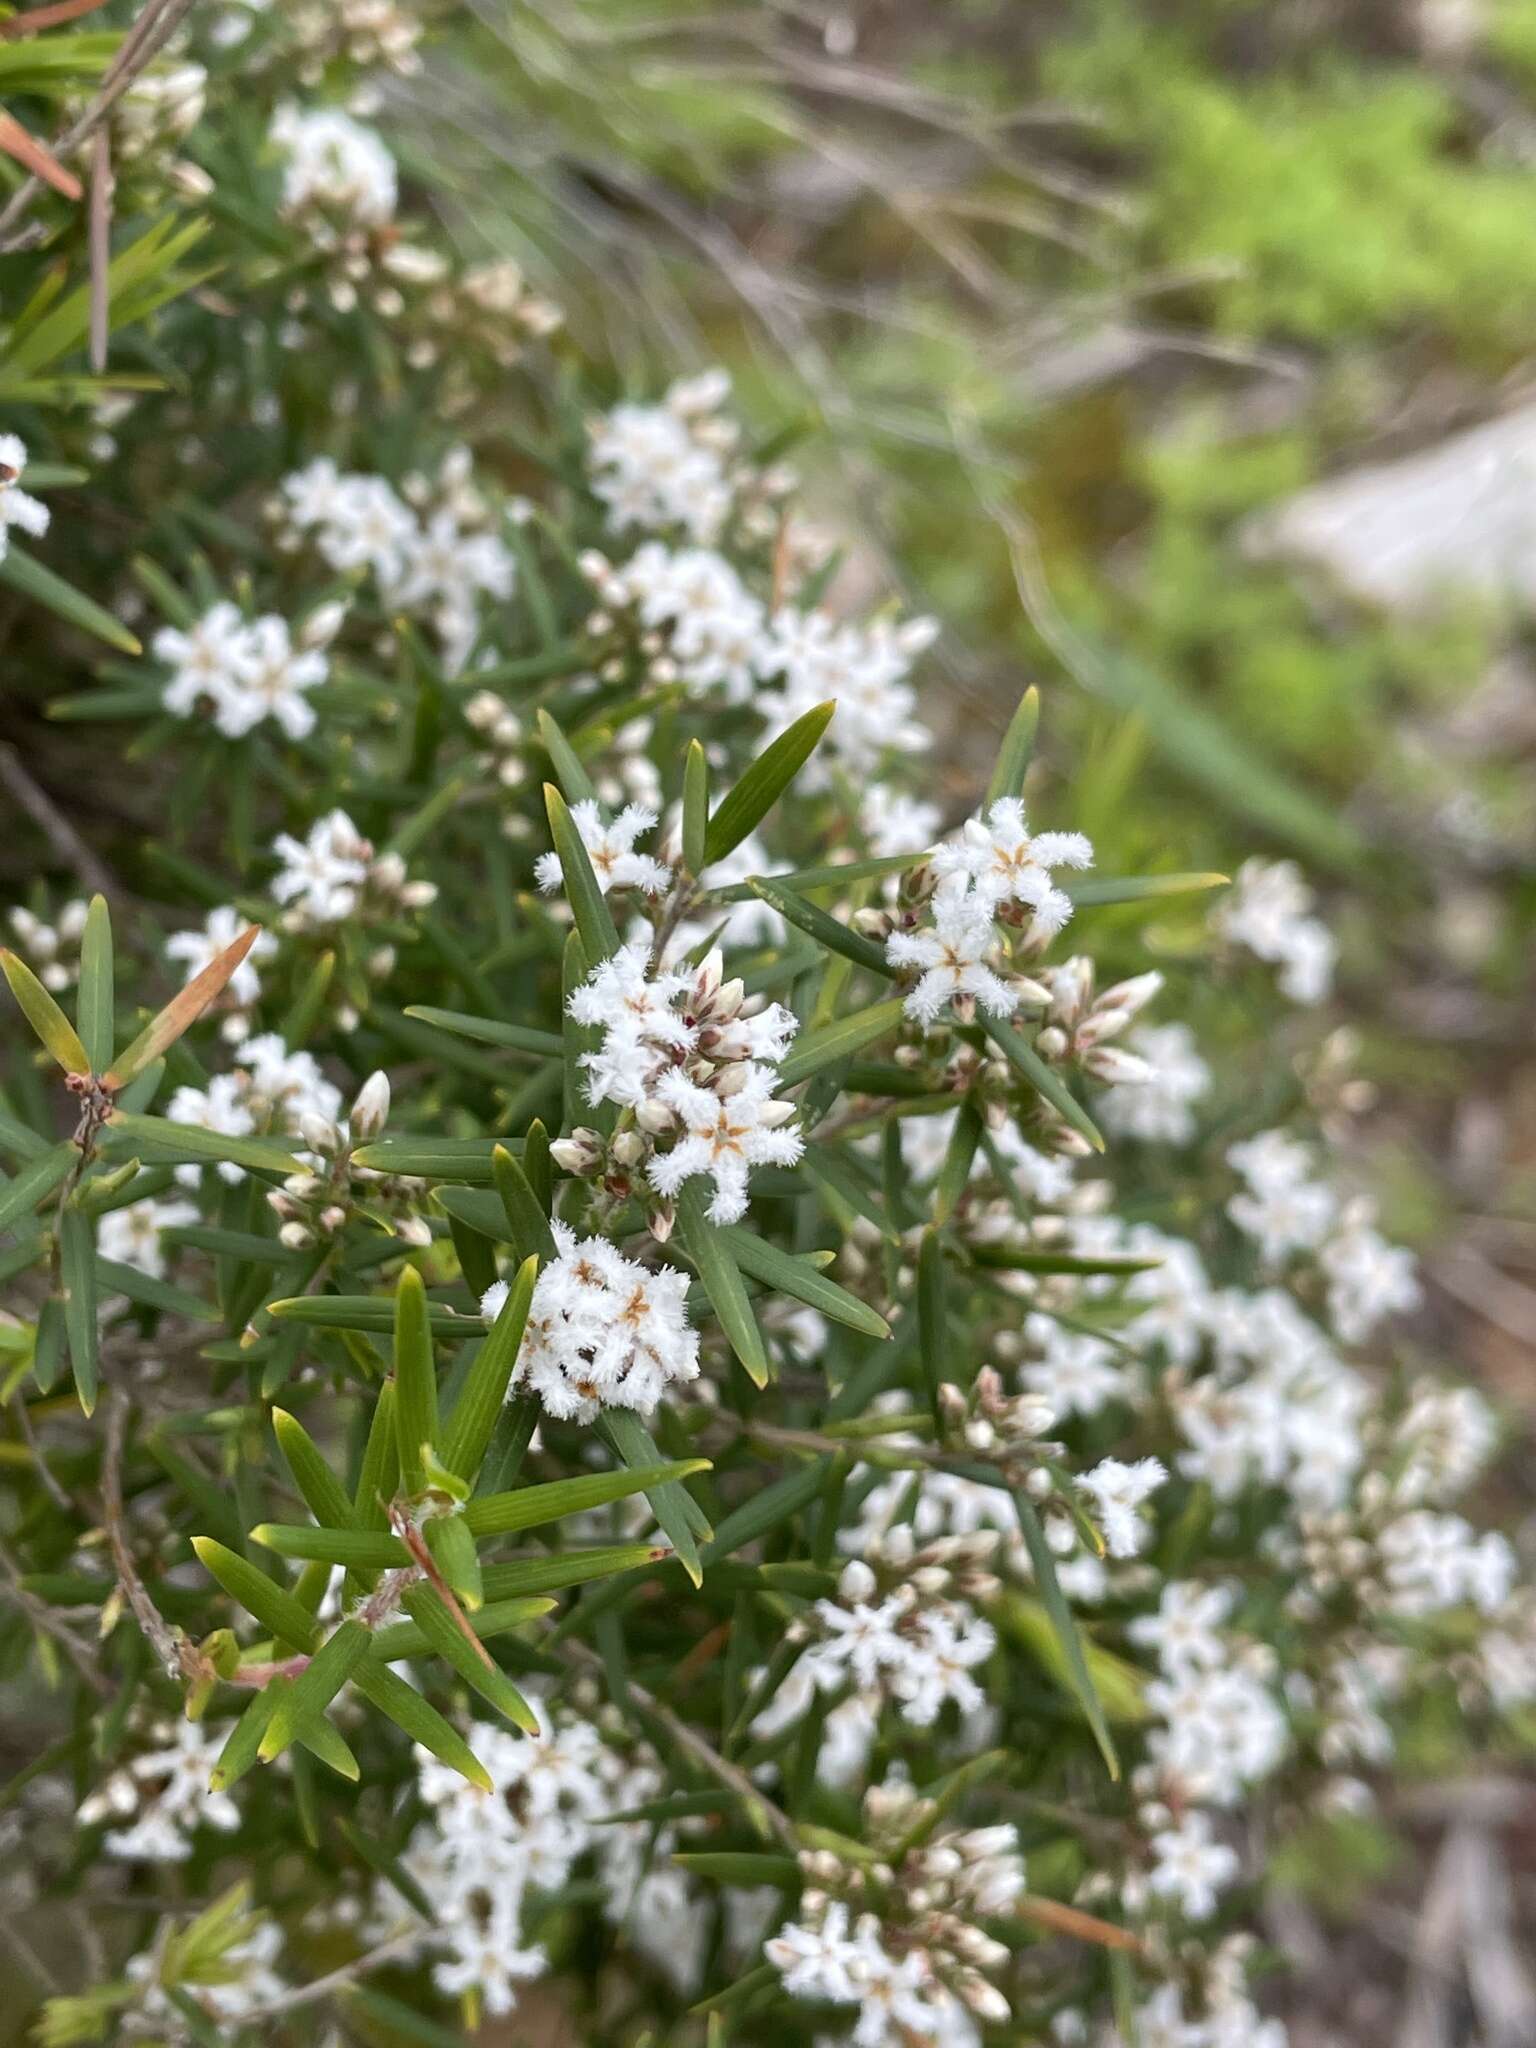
point(298, 1237)
point(318, 1132)
point(414, 1230)
point(323, 624)
point(370, 1112)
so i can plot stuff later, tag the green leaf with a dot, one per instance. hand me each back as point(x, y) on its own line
point(695, 808)
point(379, 1473)
point(589, 906)
point(490, 1031)
point(373, 1314)
point(1006, 1258)
point(959, 1154)
point(1043, 1565)
point(484, 1392)
point(53, 1028)
point(24, 573)
point(527, 1220)
point(795, 1276)
point(315, 1687)
point(115, 1278)
point(555, 1571)
point(1043, 1079)
point(1139, 888)
point(733, 1867)
point(405, 1640)
point(39, 1177)
point(77, 1281)
point(710, 1255)
point(239, 1752)
point(322, 1492)
point(670, 1502)
point(839, 1040)
point(423, 1723)
point(358, 1549)
point(821, 926)
point(1018, 747)
point(765, 782)
point(574, 779)
point(499, 1514)
point(932, 1330)
point(157, 1138)
point(836, 875)
point(283, 1617)
point(426, 1609)
point(768, 1510)
point(455, 1159)
point(415, 1380)
point(94, 1005)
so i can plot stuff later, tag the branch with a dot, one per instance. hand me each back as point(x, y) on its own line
point(69, 848)
point(179, 1657)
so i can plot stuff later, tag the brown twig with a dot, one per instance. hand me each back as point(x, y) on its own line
point(179, 1658)
point(46, 17)
point(138, 50)
point(42, 1618)
point(102, 186)
point(69, 848)
point(51, 1486)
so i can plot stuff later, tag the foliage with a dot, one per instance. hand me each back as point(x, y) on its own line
point(568, 1166)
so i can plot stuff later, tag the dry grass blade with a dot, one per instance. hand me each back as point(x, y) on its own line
point(46, 17)
point(182, 1011)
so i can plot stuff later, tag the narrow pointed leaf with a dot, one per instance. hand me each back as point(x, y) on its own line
point(526, 1216)
point(709, 1253)
point(415, 1379)
point(182, 1011)
point(484, 1392)
point(670, 1501)
point(473, 1665)
point(1043, 1079)
point(760, 788)
point(157, 1138)
point(54, 1029)
point(286, 1619)
point(839, 1040)
point(373, 1314)
point(1097, 889)
point(39, 1177)
point(795, 1276)
point(358, 1549)
point(564, 759)
point(1043, 1565)
point(490, 1030)
point(695, 807)
point(77, 1281)
point(554, 1572)
point(932, 1332)
point(589, 906)
point(315, 1687)
point(94, 1006)
point(820, 925)
point(1014, 755)
point(404, 1639)
point(26, 574)
point(423, 1723)
point(323, 1493)
point(499, 1514)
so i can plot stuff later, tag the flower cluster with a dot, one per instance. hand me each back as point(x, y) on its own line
point(240, 671)
point(1270, 911)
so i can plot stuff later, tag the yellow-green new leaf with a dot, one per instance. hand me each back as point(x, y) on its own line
point(58, 1035)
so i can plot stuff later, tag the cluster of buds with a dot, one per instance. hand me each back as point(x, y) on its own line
point(158, 109)
point(1078, 1024)
point(367, 34)
point(317, 1203)
point(52, 950)
point(919, 1900)
point(921, 1576)
point(1007, 1430)
point(502, 736)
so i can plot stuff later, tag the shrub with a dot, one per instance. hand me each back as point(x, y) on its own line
point(582, 1183)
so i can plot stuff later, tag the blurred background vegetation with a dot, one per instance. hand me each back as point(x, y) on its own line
point(1061, 309)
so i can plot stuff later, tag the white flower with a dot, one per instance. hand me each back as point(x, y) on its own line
point(1282, 1209)
point(724, 1136)
point(895, 823)
point(863, 670)
point(334, 162)
point(951, 954)
point(1190, 1867)
point(1268, 911)
point(1158, 1111)
point(164, 1795)
point(322, 875)
point(662, 466)
point(611, 849)
point(1006, 865)
point(131, 1235)
point(816, 1962)
point(1368, 1279)
point(603, 1330)
point(642, 1028)
point(1117, 1491)
point(205, 659)
point(1435, 1561)
point(221, 928)
point(1185, 1632)
point(1079, 1374)
point(17, 507)
point(272, 678)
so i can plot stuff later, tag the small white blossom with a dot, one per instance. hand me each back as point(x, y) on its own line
point(17, 507)
point(611, 849)
point(1192, 1868)
point(951, 955)
point(1117, 1490)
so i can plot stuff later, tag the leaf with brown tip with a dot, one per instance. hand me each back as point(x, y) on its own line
point(182, 1011)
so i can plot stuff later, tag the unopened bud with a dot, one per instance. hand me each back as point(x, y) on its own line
point(323, 624)
point(370, 1112)
point(298, 1237)
point(318, 1132)
point(628, 1148)
point(414, 1230)
point(662, 1217)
